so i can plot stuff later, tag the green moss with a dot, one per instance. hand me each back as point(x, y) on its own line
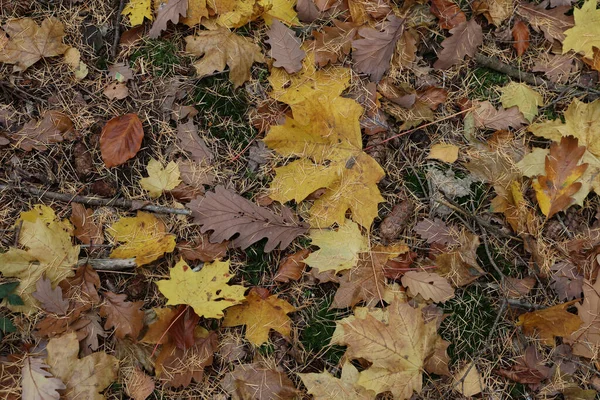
point(484, 83)
point(415, 183)
point(256, 265)
point(161, 54)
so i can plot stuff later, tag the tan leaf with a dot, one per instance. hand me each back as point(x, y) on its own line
point(29, 42)
point(37, 383)
point(167, 11)
point(444, 152)
point(334, 42)
point(120, 72)
point(116, 91)
point(291, 267)
point(550, 322)
point(460, 266)
point(259, 382)
point(468, 381)
point(429, 286)
point(520, 34)
point(52, 128)
point(325, 386)
point(50, 299)
point(126, 317)
point(121, 139)
point(487, 116)
point(586, 339)
point(365, 282)
point(285, 47)
point(556, 67)
point(448, 13)
point(436, 231)
point(516, 288)
point(221, 48)
point(190, 142)
point(495, 11)
point(465, 40)
point(86, 229)
point(553, 22)
point(138, 385)
point(202, 249)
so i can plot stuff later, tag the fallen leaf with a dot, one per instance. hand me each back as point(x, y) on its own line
point(261, 312)
point(529, 368)
point(524, 97)
point(121, 139)
point(291, 267)
point(556, 67)
point(52, 128)
point(282, 10)
point(227, 214)
point(550, 322)
point(196, 11)
point(334, 42)
point(325, 386)
point(448, 13)
point(554, 190)
point(520, 34)
point(47, 250)
point(487, 116)
point(29, 42)
point(183, 325)
point(429, 286)
point(585, 34)
point(157, 328)
point(138, 385)
point(220, 48)
point(567, 281)
point(285, 47)
point(460, 266)
point(137, 10)
point(365, 282)
point(468, 381)
point(144, 237)
point(586, 340)
point(436, 231)
point(332, 256)
point(85, 378)
point(37, 383)
point(50, 299)
point(160, 178)
point(495, 11)
point(126, 317)
point(465, 40)
point(190, 142)
point(167, 11)
point(307, 10)
point(553, 22)
point(372, 54)
point(83, 286)
point(202, 249)
point(259, 382)
point(116, 91)
point(444, 152)
point(206, 291)
point(517, 288)
point(432, 96)
point(86, 229)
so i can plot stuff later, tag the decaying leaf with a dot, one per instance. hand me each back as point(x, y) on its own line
point(365, 282)
point(258, 381)
point(586, 339)
point(121, 139)
point(550, 322)
point(465, 40)
point(285, 48)
point(220, 48)
point(430, 286)
point(448, 13)
point(37, 383)
point(52, 128)
point(83, 286)
point(84, 378)
point(495, 11)
point(372, 54)
point(167, 11)
point(125, 316)
point(325, 386)
point(190, 142)
point(160, 178)
point(460, 266)
point(29, 42)
point(227, 214)
point(260, 312)
point(468, 381)
point(552, 22)
point(334, 42)
point(206, 291)
point(144, 237)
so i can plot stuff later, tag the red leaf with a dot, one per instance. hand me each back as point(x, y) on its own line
point(449, 14)
point(520, 33)
point(182, 331)
point(121, 139)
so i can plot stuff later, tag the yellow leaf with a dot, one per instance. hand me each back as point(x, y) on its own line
point(137, 10)
point(48, 250)
point(525, 98)
point(84, 377)
point(444, 152)
point(550, 322)
point(586, 33)
point(144, 237)
point(235, 13)
point(260, 314)
point(282, 10)
point(325, 386)
point(197, 9)
point(468, 381)
point(338, 250)
point(326, 133)
point(206, 291)
point(160, 179)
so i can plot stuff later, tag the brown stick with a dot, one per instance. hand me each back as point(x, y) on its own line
point(95, 201)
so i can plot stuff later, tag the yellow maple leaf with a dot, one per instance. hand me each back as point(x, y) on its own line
point(397, 348)
point(282, 10)
point(586, 33)
point(582, 121)
point(160, 178)
point(325, 386)
point(233, 13)
point(48, 250)
point(206, 291)
point(338, 250)
point(326, 135)
point(144, 237)
point(197, 9)
point(525, 98)
point(137, 10)
point(261, 313)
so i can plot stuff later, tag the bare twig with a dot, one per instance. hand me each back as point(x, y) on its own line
point(117, 29)
point(109, 264)
point(95, 201)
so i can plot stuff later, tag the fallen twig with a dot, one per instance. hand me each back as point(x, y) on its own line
point(109, 264)
point(117, 29)
point(95, 201)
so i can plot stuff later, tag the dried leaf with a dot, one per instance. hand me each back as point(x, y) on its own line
point(88, 328)
point(365, 282)
point(516, 288)
point(259, 382)
point(444, 152)
point(285, 47)
point(524, 97)
point(37, 383)
point(460, 266)
point(487, 116)
point(50, 299)
point(83, 286)
point(160, 178)
point(552, 22)
point(554, 190)
point(373, 53)
point(520, 34)
point(260, 313)
point(586, 339)
point(436, 231)
point(190, 142)
point(121, 139)
point(495, 11)
point(585, 35)
point(334, 42)
point(86, 229)
point(556, 67)
point(222, 47)
point(52, 128)
point(227, 214)
point(567, 282)
point(325, 386)
point(137, 10)
point(468, 381)
point(126, 317)
point(465, 40)
point(168, 10)
point(429, 286)
point(202, 249)
point(116, 91)
point(197, 10)
point(307, 10)
point(138, 385)
point(291, 267)
point(448, 13)
point(29, 42)
point(183, 326)
point(432, 96)
point(550, 322)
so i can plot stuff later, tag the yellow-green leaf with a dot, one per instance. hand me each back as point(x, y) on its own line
point(525, 98)
point(160, 178)
point(586, 33)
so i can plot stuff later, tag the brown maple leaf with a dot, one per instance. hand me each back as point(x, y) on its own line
point(167, 10)
point(227, 214)
point(552, 22)
point(373, 53)
point(285, 47)
point(465, 40)
point(126, 317)
point(365, 282)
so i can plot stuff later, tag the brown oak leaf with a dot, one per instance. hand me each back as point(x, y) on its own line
point(167, 10)
point(334, 42)
point(202, 249)
point(465, 40)
point(557, 67)
point(51, 299)
point(567, 281)
point(487, 116)
point(52, 128)
point(429, 285)
point(86, 229)
point(121, 139)
point(126, 317)
point(83, 286)
point(448, 13)
point(552, 22)
point(436, 231)
point(285, 47)
point(291, 267)
point(227, 214)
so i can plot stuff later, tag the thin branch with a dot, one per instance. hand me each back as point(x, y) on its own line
point(109, 264)
point(117, 30)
